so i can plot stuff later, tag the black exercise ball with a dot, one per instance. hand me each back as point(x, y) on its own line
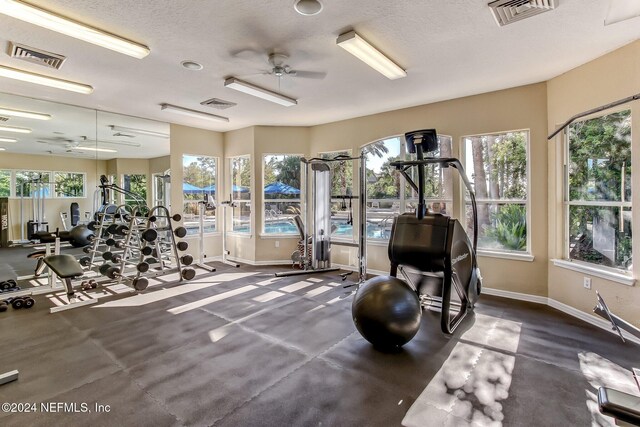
point(81, 236)
point(386, 312)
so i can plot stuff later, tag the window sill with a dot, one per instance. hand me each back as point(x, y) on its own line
point(624, 279)
point(279, 236)
point(506, 255)
point(197, 235)
point(240, 235)
point(377, 242)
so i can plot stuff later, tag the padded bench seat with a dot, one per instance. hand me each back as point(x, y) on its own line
point(619, 405)
point(65, 266)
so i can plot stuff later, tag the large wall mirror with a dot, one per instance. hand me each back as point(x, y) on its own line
point(52, 157)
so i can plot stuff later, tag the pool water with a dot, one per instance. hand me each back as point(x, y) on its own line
point(286, 227)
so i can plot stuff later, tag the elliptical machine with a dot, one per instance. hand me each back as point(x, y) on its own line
point(387, 310)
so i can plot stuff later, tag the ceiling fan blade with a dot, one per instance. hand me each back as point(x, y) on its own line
point(124, 143)
point(318, 75)
point(55, 142)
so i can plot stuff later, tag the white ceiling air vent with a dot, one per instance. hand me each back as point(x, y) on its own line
point(3, 118)
point(218, 104)
point(37, 56)
point(508, 11)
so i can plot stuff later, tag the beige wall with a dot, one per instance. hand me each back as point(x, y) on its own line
point(187, 140)
point(604, 80)
point(53, 206)
point(511, 109)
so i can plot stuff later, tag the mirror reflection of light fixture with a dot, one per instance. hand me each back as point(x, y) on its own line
point(60, 24)
point(40, 79)
point(24, 114)
point(137, 131)
point(102, 150)
point(2, 149)
point(14, 129)
point(8, 140)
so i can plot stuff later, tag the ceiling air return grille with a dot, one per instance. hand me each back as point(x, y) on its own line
point(508, 11)
point(37, 56)
point(218, 104)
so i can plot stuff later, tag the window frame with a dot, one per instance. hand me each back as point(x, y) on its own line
point(215, 198)
point(231, 231)
point(84, 184)
point(14, 182)
point(349, 151)
point(610, 273)
point(299, 200)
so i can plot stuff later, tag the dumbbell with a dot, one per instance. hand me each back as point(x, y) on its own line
point(85, 261)
point(147, 250)
point(107, 255)
point(151, 261)
point(116, 259)
point(182, 246)
point(186, 259)
point(177, 217)
point(122, 230)
point(92, 225)
point(103, 269)
point(188, 273)
point(180, 232)
point(142, 267)
point(112, 228)
point(138, 283)
point(149, 235)
point(21, 302)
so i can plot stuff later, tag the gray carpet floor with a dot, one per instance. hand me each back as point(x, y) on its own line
point(242, 348)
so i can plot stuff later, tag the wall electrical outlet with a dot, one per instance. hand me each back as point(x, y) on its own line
point(277, 243)
point(587, 282)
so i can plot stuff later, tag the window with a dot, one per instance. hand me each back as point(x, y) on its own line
point(69, 184)
point(281, 176)
point(29, 183)
point(198, 182)
point(341, 187)
point(240, 168)
point(5, 183)
point(496, 165)
point(387, 192)
point(598, 191)
point(136, 184)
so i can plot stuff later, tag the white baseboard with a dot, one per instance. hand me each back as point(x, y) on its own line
point(567, 309)
point(252, 262)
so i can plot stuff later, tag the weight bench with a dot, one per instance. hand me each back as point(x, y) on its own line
point(66, 267)
point(625, 408)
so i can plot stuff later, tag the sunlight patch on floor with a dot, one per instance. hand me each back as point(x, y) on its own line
point(206, 301)
point(159, 295)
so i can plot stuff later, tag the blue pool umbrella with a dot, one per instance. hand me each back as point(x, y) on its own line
point(190, 189)
point(280, 188)
point(210, 189)
point(240, 189)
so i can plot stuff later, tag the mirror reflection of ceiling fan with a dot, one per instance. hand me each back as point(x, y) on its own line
point(83, 143)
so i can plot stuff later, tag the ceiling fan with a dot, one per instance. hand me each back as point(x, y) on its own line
point(280, 68)
point(83, 142)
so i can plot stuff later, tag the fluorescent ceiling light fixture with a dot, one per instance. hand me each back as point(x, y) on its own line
point(39, 79)
point(138, 131)
point(4, 128)
point(249, 89)
point(192, 113)
point(361, 49)
point(25, 114)
point(2, 149)
point(102, 150)
point(8, 140)
point(622, 10)
point(60, 24)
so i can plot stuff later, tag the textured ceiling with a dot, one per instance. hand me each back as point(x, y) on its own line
point(449, 48)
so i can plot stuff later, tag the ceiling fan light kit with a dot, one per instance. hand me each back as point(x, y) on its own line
point(24, 114)
point(308, 7)
point(367, 53)
point(60, 24)
point(14, 129)
point(257, 91)
point(29, 77)
point(192, 113)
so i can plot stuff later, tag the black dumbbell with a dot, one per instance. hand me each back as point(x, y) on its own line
point(116, 259)
point(182, 246)
point(188, 273)
point(92, 225)
point(107, 255)
point(180, 232)
point(113, 272)
point(147, 250)
point(177, 217)
point(122, 230)
point(110, 242)
point(149, 235)
point(3, 306)
point(85, 261)
point(87, 249)
point(186, 259)
point(112, 228)
point(143, 267)
point(103, 269)
point(140, 283)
